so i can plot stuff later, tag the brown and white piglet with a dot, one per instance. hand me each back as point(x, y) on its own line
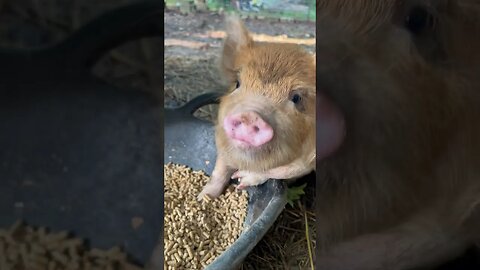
point(266, 122)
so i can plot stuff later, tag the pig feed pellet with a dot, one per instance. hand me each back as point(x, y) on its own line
point(195, 233)
point(25, 248)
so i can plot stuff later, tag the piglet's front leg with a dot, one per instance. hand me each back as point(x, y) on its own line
point(249, 178)
point(296, 169)
point(218, 181)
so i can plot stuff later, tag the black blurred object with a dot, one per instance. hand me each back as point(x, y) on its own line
point(469, 260)
point(76, 153)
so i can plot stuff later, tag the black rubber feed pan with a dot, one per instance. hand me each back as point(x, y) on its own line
point(76, 153)
point(191, 141)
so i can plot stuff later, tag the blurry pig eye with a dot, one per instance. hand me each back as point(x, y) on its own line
point(418, 20)
point(237, 85)
point(296, 98)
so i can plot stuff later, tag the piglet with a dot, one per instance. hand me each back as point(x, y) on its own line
point(266, 122)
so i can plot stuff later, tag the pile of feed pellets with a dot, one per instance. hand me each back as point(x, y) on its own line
point(26, 248)
point(196, 232)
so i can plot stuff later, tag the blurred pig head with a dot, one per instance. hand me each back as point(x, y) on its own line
point(395, 70)
point(404, 75)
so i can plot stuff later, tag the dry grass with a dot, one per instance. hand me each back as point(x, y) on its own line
point(136, 65)
point(188, 77)
point(285, 245)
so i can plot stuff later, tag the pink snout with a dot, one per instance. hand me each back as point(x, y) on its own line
point(248, 129)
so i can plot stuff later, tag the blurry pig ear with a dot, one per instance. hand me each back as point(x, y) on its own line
point(237, 33)
point(237, 38)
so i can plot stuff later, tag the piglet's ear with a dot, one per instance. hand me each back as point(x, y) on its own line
point(237, 39)
point(237, 34)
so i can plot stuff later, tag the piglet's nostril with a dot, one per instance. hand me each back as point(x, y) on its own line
point(256, 128)
point(236, 123)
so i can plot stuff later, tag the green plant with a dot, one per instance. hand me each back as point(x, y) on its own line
point(294, 193)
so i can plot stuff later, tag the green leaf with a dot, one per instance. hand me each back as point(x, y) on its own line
point(294, 193)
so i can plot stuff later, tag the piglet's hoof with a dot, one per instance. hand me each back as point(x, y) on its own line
point(209, 191)
point(250, 182)
point(241, 186)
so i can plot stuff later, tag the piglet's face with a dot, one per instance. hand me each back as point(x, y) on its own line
point(269, 111)
point(397, 70)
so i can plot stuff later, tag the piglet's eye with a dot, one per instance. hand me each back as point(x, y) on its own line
point(296, 98)
point(418, 20)
point(237, 84)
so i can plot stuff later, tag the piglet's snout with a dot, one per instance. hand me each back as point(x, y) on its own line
point(248, 128)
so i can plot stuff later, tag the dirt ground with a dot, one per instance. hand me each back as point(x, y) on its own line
point(192, 46)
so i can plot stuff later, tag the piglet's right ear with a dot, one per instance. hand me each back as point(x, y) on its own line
point(237, 39)
point(237, 34)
